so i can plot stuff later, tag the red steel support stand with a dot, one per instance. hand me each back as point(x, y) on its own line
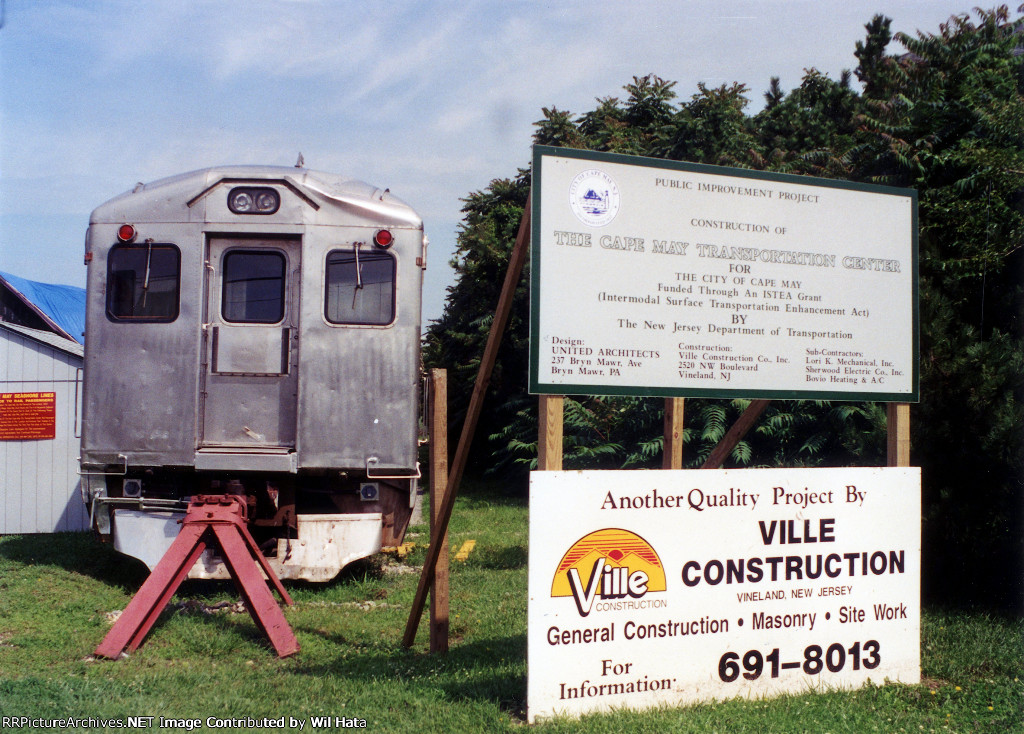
point(221, 519)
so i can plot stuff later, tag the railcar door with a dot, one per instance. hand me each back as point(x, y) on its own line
point(251, 344)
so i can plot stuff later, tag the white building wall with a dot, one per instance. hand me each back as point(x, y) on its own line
point(39, 483)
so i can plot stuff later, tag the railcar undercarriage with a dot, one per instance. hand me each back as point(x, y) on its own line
point(308, 526)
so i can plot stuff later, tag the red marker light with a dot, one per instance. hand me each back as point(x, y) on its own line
point(383, 238)
point(126, 233)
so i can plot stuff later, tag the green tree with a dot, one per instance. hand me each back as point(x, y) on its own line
point(711, 128)
point(947, 118)
point(457, 339)
point(811, 131)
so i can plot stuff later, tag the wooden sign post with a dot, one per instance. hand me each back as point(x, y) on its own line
point(549, 443)
point(672, 451)
point(438, 423)
point(898, 434)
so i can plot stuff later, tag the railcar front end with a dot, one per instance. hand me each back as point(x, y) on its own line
point(254, 331)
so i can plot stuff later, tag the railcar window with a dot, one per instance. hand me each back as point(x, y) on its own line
point(360, 290)
point(143, 282)
point(253, 286)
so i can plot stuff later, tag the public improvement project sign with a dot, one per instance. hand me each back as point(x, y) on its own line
point(672, 587)
point(653, 277)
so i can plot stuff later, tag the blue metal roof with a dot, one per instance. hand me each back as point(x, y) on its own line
point(63, 304)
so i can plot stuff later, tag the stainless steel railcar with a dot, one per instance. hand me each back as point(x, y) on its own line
point(254, 331)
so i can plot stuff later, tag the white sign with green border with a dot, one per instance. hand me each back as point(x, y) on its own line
point(653, 277)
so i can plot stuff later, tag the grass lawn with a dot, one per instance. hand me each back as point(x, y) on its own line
point(56, 593)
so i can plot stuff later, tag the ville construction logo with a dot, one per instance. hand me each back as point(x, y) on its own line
point(610, 570)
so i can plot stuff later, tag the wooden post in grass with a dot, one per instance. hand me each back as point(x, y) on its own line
point(897, 434)
point(672, 448)
point(438, 427)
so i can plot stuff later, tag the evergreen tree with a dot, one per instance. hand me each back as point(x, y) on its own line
point(947, 118)
point(456, 341)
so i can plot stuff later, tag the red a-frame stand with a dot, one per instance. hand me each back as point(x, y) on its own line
point(220, 519)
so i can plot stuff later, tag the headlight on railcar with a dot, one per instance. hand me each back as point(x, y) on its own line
point(253, 200)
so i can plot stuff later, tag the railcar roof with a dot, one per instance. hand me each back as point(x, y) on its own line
point(348, 193)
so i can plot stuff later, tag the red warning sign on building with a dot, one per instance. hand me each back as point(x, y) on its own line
point(28, 416)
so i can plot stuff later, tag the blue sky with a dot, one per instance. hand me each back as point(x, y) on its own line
point(431, 99)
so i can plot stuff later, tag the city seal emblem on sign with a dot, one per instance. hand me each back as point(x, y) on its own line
point(594, 197)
